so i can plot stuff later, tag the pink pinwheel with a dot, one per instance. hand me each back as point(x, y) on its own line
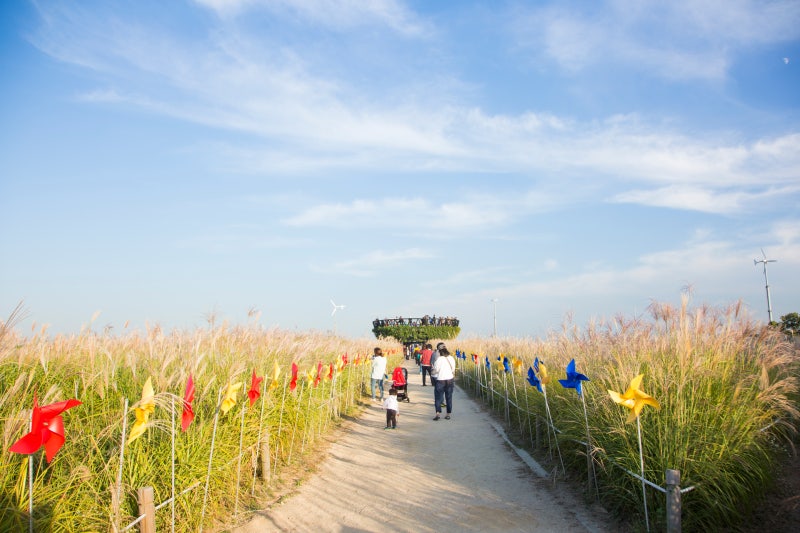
point(188, 413)
point(293, 383)
point(47, 429)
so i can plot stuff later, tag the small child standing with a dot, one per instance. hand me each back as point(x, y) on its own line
point(392, 409)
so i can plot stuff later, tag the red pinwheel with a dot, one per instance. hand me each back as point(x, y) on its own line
point(188, 397)
point(47, 429)
point(319, 374)
point(253, 393)
point(293, 383)
point(330, 373)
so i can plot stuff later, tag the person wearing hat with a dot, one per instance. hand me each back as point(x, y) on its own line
point(445, 370)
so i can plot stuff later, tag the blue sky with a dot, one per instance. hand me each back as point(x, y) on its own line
point(161, 162)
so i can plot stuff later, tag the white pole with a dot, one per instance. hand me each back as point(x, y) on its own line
point(239, 461)
point(260, 428)
point(553, 427)
point(641, 465)
point(121, 460)
point(210, 459)
point(766, 281)
point(172, 466)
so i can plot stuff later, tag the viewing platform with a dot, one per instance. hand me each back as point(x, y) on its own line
point(415, 330)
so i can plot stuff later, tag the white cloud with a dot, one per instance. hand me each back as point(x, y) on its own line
point(701, 199)
point(470, 213)
point(681, 40)
point(300, 119)
point(370, 263)
point(338, 14)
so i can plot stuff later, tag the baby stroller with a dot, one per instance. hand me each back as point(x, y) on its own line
point(400, 383)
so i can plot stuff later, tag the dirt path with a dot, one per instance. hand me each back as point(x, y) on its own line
point(425, 476)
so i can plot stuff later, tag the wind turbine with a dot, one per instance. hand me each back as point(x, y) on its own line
point(766, 280)
point(333, 313)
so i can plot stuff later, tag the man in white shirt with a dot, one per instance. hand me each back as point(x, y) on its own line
point(445, 371)
point(378, 371)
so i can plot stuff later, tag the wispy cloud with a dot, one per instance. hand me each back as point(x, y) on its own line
point(371, 263)
point(299, 118)
point(336, 14)
point(705, 200)
point(236, 239)
point(469, 213)
point(642, 35)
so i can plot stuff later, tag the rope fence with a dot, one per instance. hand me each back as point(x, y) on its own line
point(491, 395)
point(336, 402)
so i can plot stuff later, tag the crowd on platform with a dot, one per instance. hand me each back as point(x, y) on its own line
point(424, 321)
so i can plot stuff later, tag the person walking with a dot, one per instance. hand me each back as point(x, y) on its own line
point(392, 409)
point(445, 371)
point(378, 372)
point(425, 362)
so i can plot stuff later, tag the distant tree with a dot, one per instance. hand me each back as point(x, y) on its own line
point(790, 324)
point(405, 333)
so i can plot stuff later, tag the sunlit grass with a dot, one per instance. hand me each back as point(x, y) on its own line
point(728, 394)
point(78, 490)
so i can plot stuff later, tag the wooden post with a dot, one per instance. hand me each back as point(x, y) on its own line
point(147, 508)
point(673, 501)
point(265, 462)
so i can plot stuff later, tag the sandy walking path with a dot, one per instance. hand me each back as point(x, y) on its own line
point(425, 476)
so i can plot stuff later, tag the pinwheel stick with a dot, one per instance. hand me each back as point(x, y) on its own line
point(296, 421)
point(553, 428)
point(516, 402)
point(589, 455)
point(30, 488)
point(172, 465)
point(239, 460)
point(641, 465)
point(528, 416)
point(260, 427)
point(280, 428)
point(121, 460)
point(210, 460)
point(307, 426)
point(506, 409)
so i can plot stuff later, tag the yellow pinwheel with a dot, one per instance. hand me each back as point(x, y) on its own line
point(634, 399)
point(542, 369)
point(229, 399)
point(147, 406)
point(516, 365)
point(276, 372)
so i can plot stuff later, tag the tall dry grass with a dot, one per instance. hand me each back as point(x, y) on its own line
point(78, 490)
point(729, 405)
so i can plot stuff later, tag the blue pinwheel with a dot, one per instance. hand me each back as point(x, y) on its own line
point(488, 364)
point(533, 380)
point(506, 365)
point(574, 378)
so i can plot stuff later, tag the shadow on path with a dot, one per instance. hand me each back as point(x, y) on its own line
point(425, 476)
